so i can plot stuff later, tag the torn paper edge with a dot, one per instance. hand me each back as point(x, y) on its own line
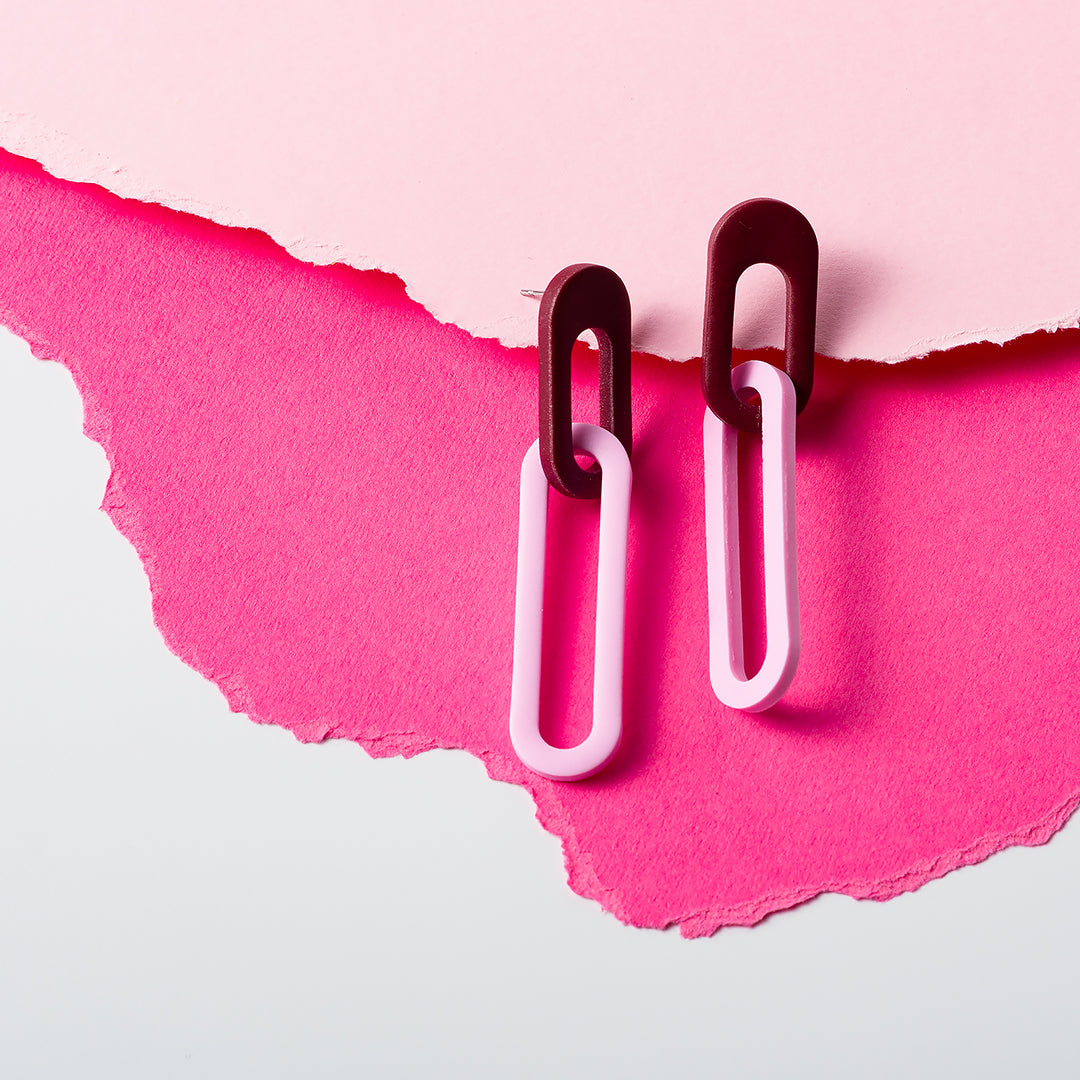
point(67, 159)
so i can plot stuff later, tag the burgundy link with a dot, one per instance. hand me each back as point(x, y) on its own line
point(582, 297)
point(759, 231)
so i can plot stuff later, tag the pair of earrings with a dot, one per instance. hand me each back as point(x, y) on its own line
point(585, 297)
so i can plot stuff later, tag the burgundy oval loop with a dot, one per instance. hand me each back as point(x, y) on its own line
point(759, 231)
point(582, 297)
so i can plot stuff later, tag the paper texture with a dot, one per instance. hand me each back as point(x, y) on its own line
point(321, 481)
point(476, 149)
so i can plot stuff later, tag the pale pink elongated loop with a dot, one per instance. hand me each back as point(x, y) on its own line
point(727, 668)
point(598, 747)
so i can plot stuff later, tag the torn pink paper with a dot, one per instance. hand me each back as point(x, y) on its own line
point(476, 148)
point(321, 481)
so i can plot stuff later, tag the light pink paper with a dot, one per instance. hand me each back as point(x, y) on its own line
point(321, 481)
point(475, 148)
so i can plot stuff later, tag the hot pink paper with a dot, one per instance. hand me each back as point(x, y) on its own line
point(321, 481)
point(475, 148)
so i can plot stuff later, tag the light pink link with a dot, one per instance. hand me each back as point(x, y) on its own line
point(598, 747)
point(727, 669)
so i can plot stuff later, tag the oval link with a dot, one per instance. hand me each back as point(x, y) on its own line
point(727, 669)
point(598, 747)
point(582, 297)
point(758, 231)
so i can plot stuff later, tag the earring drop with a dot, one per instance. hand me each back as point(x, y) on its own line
point(757, 231)
point(581, 297)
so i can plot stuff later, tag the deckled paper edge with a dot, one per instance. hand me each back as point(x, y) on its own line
point(66, 159)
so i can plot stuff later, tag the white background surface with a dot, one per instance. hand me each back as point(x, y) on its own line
point(183, 893)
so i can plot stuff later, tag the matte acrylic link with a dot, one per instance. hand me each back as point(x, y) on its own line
point(759, 231)
point(727, 669)
point(591, 755)
point(582, 297)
